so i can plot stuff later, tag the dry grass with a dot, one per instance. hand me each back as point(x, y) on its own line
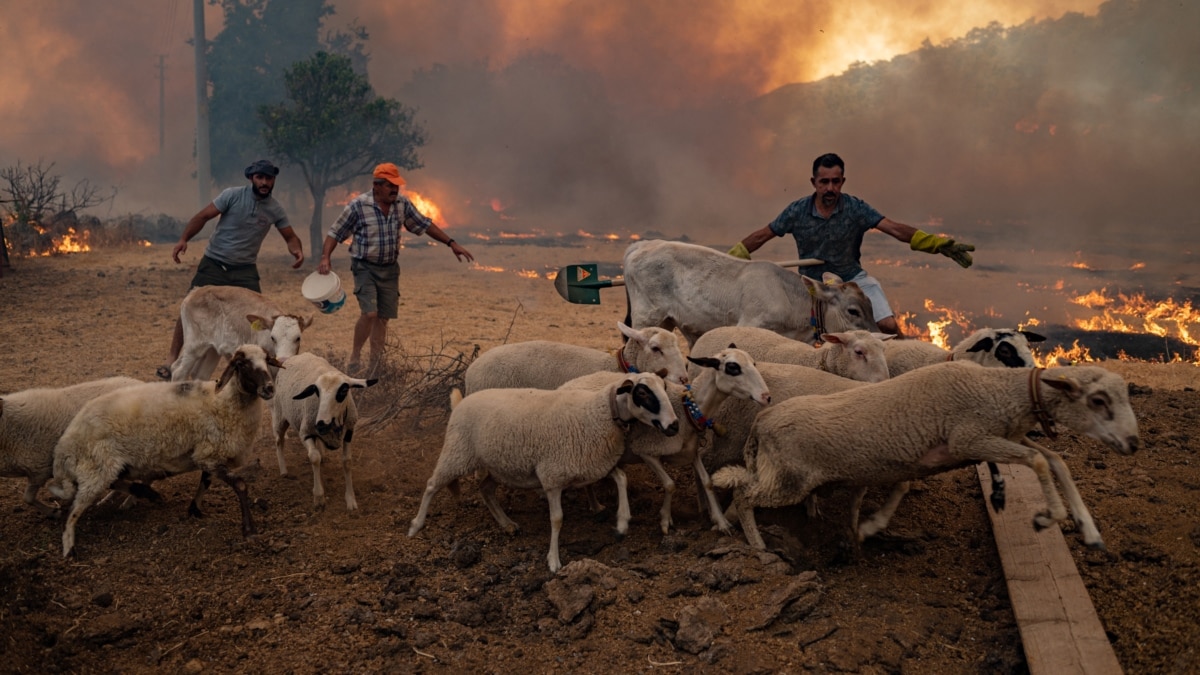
point(1171, 376)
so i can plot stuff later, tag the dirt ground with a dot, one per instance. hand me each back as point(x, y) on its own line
point(152, 590)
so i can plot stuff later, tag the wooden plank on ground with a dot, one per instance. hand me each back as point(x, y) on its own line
point(1060, 630)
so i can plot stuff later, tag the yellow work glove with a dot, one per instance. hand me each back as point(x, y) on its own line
point(740, 251)
point(931, 243)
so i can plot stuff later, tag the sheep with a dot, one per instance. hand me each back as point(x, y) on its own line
point(31, 422)
point(993, 347)
point(160, 429)
point(534, 438)
point(858, 355)
point(218, 319)
point(541, 364)
point(928, 421)
point(728, 373)
point(673, 284)
point(315, 398)
point(989, 347)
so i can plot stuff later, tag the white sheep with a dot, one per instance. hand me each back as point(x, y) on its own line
point(542, 364)
point(925, 422)
point(990, 347)
point(730, 372)
point(316, 399)
point(31, 422)
point(219, 319)
point(160, 429)
point(857, 354)
point(534, 438)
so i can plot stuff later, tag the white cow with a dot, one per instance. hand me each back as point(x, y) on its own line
point(219, 319)
point(695, 289)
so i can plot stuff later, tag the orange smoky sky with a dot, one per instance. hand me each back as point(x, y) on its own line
point(80, 79)
point(676, 52)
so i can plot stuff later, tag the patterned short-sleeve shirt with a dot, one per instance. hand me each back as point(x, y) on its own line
point(837, 240)
point(376, 237)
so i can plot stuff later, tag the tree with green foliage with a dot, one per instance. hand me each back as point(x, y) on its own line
point(246, 63)
point(335, 128)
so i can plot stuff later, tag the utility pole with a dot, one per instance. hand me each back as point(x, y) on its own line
point(162, 105)
point(203, 158)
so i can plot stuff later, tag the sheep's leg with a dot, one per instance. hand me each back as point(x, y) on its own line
point(431, 489)
point(314, 458)
point(994, 449)
point(487, 490)
point(594, 504)
point(746, 515)
point(86, 493)
point(1083, 517)
point(997, 498)
point(194, 508)
point(623, 513)
point(880, 519)
point(239, 488)
point(280, 428)
point(31, 499)
point(709, 498)
point(554, 497)
point(664, 514)
point(347, 462)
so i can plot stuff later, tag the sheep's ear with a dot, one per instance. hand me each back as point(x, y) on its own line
point(984, 345)
point(234, 363)
point(626, 387)
point(705, 361)
point(310, 390)
point(883, 337)
point(259, 323)
point(1066, 385)
point(836, 338)
point(1032, 336)
point(274, 362)
point(358, 383)
point(630, 334)
point(732, 346)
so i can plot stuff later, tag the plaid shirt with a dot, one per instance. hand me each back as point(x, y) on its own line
point(377, 237)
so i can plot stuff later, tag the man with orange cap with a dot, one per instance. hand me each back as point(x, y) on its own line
point(372, 222)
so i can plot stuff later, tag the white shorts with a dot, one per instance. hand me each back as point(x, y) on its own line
point(874, 292)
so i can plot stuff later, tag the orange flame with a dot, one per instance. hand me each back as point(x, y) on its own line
point(427, 207)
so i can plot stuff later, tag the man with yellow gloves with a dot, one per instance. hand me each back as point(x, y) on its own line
point(829, 226)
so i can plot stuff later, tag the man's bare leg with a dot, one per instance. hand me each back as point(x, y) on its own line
point(363, 328)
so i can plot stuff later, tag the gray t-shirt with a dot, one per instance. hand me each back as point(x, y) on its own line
point(244, 224)
point(836, 240)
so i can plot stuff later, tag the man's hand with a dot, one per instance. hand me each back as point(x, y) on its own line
point(298, 254)
point(740, 251)
point(958, 253)
point(179, 249)
point(323, 266)
point(931, 243)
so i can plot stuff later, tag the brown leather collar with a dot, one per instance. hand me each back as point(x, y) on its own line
point(1039, 406)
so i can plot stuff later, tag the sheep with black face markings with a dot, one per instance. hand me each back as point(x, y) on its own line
point(928, 421)
point(543, 364)
point(316, 399)
point(989, 347)
point(32, 421)
point(155, 430)
point(547, 439)
point(730, 372)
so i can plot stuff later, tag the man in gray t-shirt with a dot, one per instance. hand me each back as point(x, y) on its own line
point(247, 214)
point(829, 226)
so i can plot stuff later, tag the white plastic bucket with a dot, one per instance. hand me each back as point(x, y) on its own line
point(324, 291)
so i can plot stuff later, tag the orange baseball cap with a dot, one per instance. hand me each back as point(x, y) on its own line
point(389, 172)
